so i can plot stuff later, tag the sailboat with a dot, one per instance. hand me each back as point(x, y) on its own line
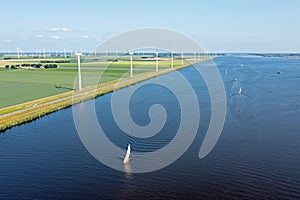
point(240, 90)
point(127, 156)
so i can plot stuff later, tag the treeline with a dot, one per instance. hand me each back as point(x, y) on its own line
point(55, 61)
point(36, 66)
point(276, 54)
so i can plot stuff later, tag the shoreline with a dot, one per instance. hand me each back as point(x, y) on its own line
point(29, 111)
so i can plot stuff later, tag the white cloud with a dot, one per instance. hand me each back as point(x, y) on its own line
point(85, 36)
point(53, 29)
point(7, 40)
point(57, 37)
point(39, 36)
point(64, 29)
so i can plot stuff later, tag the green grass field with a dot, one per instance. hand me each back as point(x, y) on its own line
point(23, 85)
point(20, 86)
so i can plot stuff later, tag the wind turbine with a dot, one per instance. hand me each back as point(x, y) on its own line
point(65, 53)
point(18, 51)
point(182, 58)
point(172, 59)
point(131, 55)
point(79, 72)
point(44, 52)
point(156, 68)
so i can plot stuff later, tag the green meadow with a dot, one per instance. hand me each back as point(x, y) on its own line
point(23, 85)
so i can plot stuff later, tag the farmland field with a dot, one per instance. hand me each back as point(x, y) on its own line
point(23, 85)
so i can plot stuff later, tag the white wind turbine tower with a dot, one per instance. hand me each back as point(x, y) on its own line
point(131, 55)
point(156, 67)
point(182, 58)
point(79, 72)
point(18, 51)
point(172, 59)
point(44, 55)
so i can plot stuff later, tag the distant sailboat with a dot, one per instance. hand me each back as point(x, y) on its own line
point(127, 156)
point(240, 90)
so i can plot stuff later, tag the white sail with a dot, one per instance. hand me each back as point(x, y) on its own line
point(127, 156)
point(240, 90)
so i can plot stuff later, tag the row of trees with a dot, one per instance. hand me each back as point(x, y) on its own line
point(37, 66)
point(55, 61)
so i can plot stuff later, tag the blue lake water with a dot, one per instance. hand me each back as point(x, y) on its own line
point(256, 157)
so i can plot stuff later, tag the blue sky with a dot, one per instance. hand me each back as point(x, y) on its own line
point(221, 26)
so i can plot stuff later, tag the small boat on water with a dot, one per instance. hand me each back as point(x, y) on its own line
point(240, 90)
point(127, 156)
